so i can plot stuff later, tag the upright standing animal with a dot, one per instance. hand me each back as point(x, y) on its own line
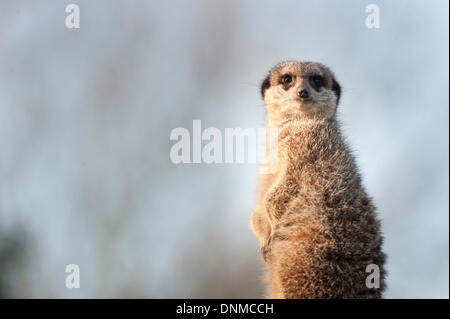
point(316, 225)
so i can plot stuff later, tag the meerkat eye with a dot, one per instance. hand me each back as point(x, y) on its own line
point(286, 79)
point(317, 81)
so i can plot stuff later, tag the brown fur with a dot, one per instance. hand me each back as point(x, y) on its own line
point(316, 225)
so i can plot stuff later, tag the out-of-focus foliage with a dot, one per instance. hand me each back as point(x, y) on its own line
point(85, 119)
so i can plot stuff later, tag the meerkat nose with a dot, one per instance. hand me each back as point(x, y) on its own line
point(304, 94)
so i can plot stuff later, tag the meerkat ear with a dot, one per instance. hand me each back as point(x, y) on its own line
point(265, 85)
point(337, 90)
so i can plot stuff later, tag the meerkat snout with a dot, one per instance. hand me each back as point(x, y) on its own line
point(303, 94)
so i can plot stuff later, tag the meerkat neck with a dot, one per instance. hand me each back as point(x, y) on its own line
point(305, 121)
point(311, 140)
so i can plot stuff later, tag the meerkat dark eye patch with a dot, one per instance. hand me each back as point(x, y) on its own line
point(286, 79)
point(317, 81)
point(265, 85)
point(337, 90)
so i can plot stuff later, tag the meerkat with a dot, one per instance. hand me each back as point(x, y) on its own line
point(317, 227)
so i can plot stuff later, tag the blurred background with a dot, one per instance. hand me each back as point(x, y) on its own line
point(86, 114)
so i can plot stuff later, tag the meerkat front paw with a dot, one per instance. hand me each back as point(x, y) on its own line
point(278, 199)
point(276, 235)
point(260, 225)
point(265, 248)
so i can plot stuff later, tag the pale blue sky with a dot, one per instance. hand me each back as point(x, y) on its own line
point(85, 118)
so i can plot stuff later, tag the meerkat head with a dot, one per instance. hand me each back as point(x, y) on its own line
point(295, 90)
